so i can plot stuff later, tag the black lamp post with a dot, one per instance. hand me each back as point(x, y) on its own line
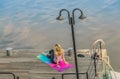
point(72, 22)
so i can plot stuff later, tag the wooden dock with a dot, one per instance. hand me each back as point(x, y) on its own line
point(24, 64)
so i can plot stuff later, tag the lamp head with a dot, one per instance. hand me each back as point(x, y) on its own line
point(60, 18)
point(82, 17)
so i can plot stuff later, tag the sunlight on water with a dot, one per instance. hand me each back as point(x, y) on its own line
point(32, 24)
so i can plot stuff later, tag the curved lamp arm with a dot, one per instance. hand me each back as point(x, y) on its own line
point(80, 17)
point(60, 18)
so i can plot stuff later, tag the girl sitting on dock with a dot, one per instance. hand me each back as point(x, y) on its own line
point(57, 54)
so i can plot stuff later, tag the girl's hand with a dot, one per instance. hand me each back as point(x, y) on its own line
point(66, 62)
point(58, 66)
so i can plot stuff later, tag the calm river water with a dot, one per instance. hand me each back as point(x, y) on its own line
point(32, 24)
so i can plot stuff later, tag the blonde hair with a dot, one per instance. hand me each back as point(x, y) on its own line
point(59, 49)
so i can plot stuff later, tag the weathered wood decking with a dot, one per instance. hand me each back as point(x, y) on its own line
point(25, 65)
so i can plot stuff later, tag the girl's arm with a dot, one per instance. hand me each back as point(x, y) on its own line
point(63, 57)
point(57, 62)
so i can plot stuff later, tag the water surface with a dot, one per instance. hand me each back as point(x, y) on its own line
point(32, 24)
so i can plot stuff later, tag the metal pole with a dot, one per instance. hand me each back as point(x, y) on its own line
point(8, 73)
point(95, 65)
point(74, 47)
point(72, 22)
